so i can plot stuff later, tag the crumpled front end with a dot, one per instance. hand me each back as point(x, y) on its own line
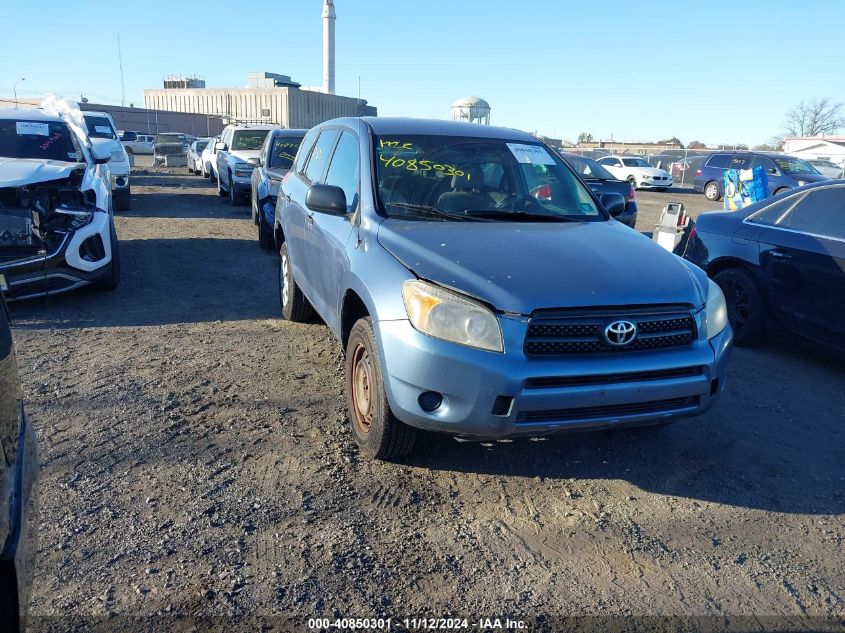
point(53, 237)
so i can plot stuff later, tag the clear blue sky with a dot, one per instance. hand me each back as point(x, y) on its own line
point(719, 72)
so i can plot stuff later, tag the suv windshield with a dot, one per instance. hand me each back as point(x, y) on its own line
point(476, 179)
point(99, 127)
point(794, 166)
point(38, 139)
point(171, 138)
point(283, 152)
point(248, 139)
point(635, 162)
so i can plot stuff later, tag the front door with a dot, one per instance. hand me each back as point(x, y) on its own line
point(803, 260)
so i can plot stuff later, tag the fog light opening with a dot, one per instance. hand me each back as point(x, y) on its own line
point(502, 406)
point(430, 401)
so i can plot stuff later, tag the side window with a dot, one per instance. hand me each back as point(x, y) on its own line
point(773, 213)
point(345, 169)
point(129, 136)
point(719, 161)
point(821, 212)
point(765, 163)
point(304, 150)
point(740, 162)
point(320, 156)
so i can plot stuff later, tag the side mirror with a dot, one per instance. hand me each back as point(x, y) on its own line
point(255, 162)
point(220, 147)
point(613, 203)
point(100, 155)
point(327, 199)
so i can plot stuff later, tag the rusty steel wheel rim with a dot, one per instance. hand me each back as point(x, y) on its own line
point(362, 389)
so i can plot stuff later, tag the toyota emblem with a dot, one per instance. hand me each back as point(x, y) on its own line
point(620, 333)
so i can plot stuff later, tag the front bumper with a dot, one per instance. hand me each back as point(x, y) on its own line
point(648, 183)
point(475, 383)
point(242, 184)
point(82, 257)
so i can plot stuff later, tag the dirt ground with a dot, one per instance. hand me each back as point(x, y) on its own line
point(197, 462)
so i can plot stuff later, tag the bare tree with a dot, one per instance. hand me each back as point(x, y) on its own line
point(585, 137)
point(696, 145)
point(811, 118)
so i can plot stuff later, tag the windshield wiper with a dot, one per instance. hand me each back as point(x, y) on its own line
point(434, 212)
point(505, 214)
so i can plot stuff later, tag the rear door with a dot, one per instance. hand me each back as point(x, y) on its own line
point(803, 261)
point(299, 233)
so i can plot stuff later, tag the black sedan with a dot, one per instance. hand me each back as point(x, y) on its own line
point(779, 262)
point(602, 181)
point(272, 164)
point(18, 494)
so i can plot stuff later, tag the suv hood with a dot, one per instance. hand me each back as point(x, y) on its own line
point(528, 266)
point(651, 171)
point(17, 172)
point(245, 154)
point(809, 177)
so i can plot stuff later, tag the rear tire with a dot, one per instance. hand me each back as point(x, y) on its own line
point(378, 433)
point(295, 306)
point(711, 191)
point(745, 305)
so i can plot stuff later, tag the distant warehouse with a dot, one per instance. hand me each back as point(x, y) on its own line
point(268, 98)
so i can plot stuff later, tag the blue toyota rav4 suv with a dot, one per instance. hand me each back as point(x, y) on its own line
point(783, 172)
point(480, 288)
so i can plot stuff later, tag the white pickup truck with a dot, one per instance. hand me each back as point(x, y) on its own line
point(137, 143)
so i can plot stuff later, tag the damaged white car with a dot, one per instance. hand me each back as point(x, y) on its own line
point(56, 224)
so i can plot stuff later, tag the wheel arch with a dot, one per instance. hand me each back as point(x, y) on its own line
point(353, 308)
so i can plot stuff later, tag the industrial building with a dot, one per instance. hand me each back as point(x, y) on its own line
point(268, 97)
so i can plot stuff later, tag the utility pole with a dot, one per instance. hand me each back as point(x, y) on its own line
point(120, 62)
point(15, 89)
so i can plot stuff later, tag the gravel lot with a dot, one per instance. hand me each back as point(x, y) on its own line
point(196, 462)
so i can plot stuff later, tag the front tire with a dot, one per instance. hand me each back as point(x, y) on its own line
point(745, 305)
point(233, 197)
point(121, 200)
point(113, 279)
point(265, 235)
point(220, 190)
point(378, 433)
point(295, 306)
point(711, 191)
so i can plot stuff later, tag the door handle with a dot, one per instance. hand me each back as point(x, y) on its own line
point(780, 255)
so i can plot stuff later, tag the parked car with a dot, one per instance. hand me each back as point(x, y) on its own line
point(237, 144)
point(602, 181)
point(56, 227)
point(827, 168)
point(195, 155)
point(779, 262)
point(169, 144)
point(683, 170)
point(636, 171)
point(208, 159)
point(479, 288)
point(102, 133)
point(271, 165)
point(18, 490)
point(783, 172)
point(137, 143)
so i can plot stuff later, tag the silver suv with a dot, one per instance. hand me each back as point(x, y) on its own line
point(237, 144)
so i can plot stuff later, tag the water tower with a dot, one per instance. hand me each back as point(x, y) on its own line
point(472, 110)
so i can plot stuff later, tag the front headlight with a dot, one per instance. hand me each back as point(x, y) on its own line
point(716, 314)
point(450, 316)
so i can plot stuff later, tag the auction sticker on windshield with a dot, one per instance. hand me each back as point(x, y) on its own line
point(28, 127)
point(102, 129)
point(531, 154)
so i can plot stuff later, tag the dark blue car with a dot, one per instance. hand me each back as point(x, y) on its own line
point(779, 262)
point(783, 172)
point(18, 490)
point(273, 162)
